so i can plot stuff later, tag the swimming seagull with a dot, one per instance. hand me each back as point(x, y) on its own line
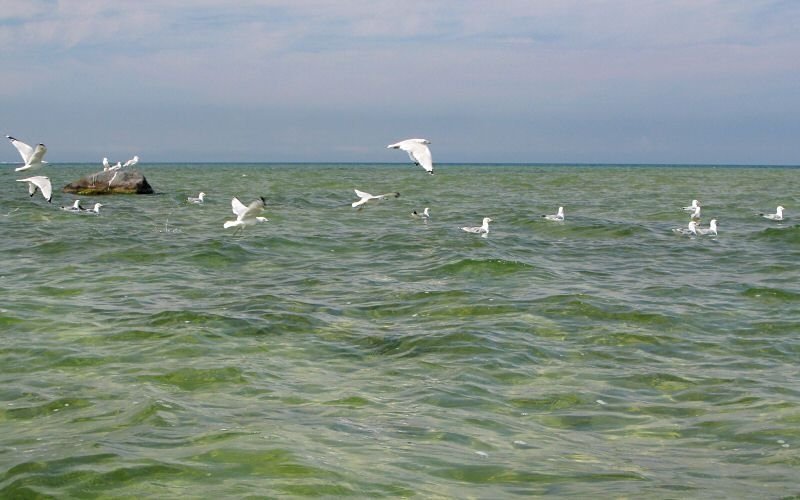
point(482, 230)
point(133, 161)
point(418, 151)
point(33, 157)
point(778, 215)
point(94, 210)
point(710, 230)
point(76, 207)
point(691, 207)
point(690, 230)
point(198, 200)
point(696, 212)
point(41, 183)
point(246, 215)
point(365, 197)
point(426, 214)
point(556, 217)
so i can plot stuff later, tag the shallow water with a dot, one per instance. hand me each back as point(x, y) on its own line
point(148, 352)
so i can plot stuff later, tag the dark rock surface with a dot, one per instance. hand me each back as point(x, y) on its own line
point(110, 182)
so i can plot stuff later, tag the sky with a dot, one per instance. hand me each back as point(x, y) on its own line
point(510, 81)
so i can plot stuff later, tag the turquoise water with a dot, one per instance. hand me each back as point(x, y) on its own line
point(149, 353)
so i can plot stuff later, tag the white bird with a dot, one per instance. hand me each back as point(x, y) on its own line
point(365, 197)
point(690, 230)
point(76, 207)
point(778, 215)
point(426, 214)
point(95, 210)
point(483, 229)
point(246, 215)
point(133, 161)
point(418, 151)
point(116, 166)
point(199, 199)
point(106, 165)
point(696, 212)
point(710, 230)
point(33, 157)
point(41, 183)
point(691, 207)
point(556, 217)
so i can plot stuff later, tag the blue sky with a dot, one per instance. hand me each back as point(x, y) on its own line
point(628, 81)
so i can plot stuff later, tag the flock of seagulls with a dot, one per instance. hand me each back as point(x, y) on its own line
point(246, 215)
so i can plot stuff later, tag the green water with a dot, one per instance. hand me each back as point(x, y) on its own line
point(150, 353)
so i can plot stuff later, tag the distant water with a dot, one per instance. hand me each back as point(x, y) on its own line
point(148, 353)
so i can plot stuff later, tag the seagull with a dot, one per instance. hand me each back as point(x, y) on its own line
point(31, 156)
point(246, 215)
point(690, 230)
point(76, 207)
point(199, 199)
point(556, 217)
point(106, 165)
point(778, 215)
point(133, 161)
point(365, 197)
point(418, 151)
point(41, 183)
point(483, 230)
point(426, 214)
point(691, 207)
point(711, 230)
point(94, 210)
point(696, 212)
point(116, 166)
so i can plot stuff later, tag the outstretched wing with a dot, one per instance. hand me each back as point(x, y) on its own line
point(238, 207)
point(24, 150)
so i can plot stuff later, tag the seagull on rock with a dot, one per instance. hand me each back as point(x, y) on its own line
point(418, 151)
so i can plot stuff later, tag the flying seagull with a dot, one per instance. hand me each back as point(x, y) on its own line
point(246, 215)
point(365, 197)
point(33, 157)
point(418, 151)
point(40, 183)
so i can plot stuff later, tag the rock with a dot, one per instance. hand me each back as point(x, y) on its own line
point(110, 182)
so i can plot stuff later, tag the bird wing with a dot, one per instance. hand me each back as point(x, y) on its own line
point(38, 154)
point(24, 150)
point(421, 155)
point(43, 183)
point(362, 194)
point(251, 210)
point(237, 206)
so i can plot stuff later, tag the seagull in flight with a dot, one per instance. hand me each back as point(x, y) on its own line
point(33, 157)
point(483, 230)
point(365, 197)
point(39, 183)
point(693, 206)
point(556, 217)
point(246, 215)
point(199, 199)
point(418, 151)
point(778, 215)
point(133, 161)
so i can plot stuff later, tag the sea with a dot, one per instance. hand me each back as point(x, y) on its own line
point(147, 352)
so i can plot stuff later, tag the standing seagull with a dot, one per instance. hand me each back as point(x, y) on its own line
point(778, 215)
point(33, 157)
point(556, 217)
point(365, 197)
point(246, 215)
point(418, 151)
point(41, 183)
point(482, 230)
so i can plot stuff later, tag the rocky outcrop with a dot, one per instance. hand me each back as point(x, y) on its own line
point(110, 182)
